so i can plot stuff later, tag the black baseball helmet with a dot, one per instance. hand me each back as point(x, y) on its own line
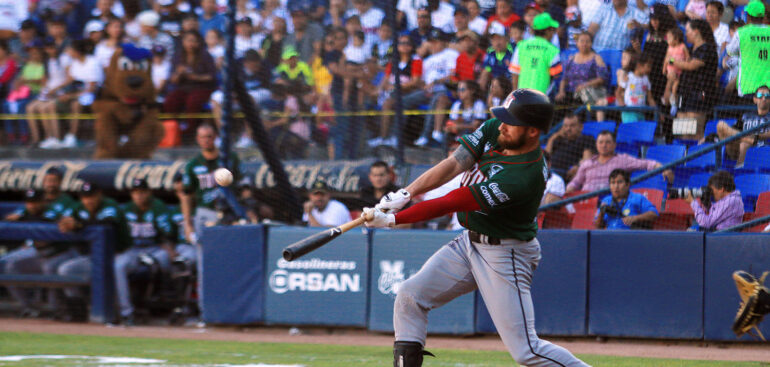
point(526, 107)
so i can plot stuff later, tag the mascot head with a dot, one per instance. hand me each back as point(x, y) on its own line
point(128, 77)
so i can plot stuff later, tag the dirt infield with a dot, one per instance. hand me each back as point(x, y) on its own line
point(634, 348)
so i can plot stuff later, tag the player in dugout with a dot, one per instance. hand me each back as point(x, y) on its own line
point(505, 176)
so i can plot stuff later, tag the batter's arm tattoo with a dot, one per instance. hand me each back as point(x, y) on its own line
point(464, 158)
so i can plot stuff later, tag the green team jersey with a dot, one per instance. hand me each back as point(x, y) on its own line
point(109, 212)
point(508, 188)
point(535, 60)
point(198, 178)
point(178, 219)
point(152, 227)
point(55, 209)
point(755, 62)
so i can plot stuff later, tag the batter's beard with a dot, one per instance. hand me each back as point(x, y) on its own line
point(515, 143)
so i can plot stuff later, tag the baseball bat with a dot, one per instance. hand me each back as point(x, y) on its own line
point(308, 244)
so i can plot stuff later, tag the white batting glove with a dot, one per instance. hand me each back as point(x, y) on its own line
point(378, 219)
point(394, 201)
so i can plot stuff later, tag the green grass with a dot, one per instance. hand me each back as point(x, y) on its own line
point(181, 353)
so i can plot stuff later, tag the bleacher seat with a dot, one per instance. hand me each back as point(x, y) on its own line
point(757, 160)
point(698, 180)
point(676, 216)
point(655, 196)
point(612, 58)
point(594, 128)
point(751, 186)
point(631, 136)
point(654, 182)
point(706, 161)
point(763, 203)
point(678, 206)
point(583, 219)
point(557, 219)
point(591, 203)
point(565, 54)
point(755, 228)
point(665, 153)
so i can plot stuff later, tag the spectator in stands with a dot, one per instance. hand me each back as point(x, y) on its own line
point(439, 67)
point(18, 45)
point(290, 133)
point(114, 32)
point(193, 78)
point(696, 9)
point(161, 71)
point(725, 207)
point(381, 183)
point(503, 14)
point(568, 147)
point(307, 34)
point(336, 15)
point(468, 112)
point(470, 59)
point(271, 11)
point(170, 17)
point(210, 17)
point(460, 25)
point(635, 92)
point(23, 90)
point(323, 211)
point(153, 234)
point(56, 28)
point(698, 80)
point(612, 25)
point(93, 208)
point(272, 45)
point(536, 62)
point(216, 48)
point(624, 209)
point(294, 74)
point(498, 58)
point(574, 26)
point(14, 12)
point(382, 46)
point(585, 77)
point(245, 38)
point(84, 76)
point(714, 11)
point(516, 33)
point(554, 186)
point(102, 11)
point(737, 148)
point(151, 35)
point(247, 9)
point(56, 77)
point(8, 69)
point(410, 75)
point(356, 54)
point(421, 33)
point(371, 18)
point(732, 65)
point(94, 31)
point(476, 22)
point(499, 88)
point(656, 46)
point(593, 173)
point(754, 61)
point(676, 51)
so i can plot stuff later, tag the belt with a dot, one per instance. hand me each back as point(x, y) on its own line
point(482, 238)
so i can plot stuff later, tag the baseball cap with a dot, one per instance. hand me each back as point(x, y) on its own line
point(148, 18)
point(544, 21)
point(572, 13)
point(755, 8)
point(93, 26)
point(289, 53)
point(139, 183)
point(88, 189)
point(319, 186)
point(438, 35)
point(496, 28)
point(533, 5)
point(461, 10)
point(33, 195)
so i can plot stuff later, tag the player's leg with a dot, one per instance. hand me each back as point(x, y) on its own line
point(124, 263)
point(503, 274)
point(442, 278)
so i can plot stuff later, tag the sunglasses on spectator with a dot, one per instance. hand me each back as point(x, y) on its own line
point(761, 95)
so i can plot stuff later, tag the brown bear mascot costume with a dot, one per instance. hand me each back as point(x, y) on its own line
point(126, 107)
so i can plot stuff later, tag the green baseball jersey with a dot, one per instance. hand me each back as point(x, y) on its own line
point(151, 227)
point(755, 61)
point(507, 187)
point(108, 212)
point(55, 209)
point(535, 60)
point(198, 178)
point(178, 219)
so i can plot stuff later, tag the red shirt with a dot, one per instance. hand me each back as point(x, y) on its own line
point(506, 22)
point(412, 70)
point(468, 66)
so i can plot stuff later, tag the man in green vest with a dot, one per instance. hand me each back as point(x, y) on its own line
point(752, 43)
point(536, 62)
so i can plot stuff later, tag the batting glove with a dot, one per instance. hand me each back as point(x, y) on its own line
point(378, 219)
point(394, 201)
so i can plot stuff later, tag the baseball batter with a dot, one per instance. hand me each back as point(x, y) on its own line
point(504, 180)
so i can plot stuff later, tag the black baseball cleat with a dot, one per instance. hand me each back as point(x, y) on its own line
point(408, 354)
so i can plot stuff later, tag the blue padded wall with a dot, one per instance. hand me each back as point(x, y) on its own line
point(328, 286)
point(726, 253)
point(646, 284)
point(396, 255)
point(559, 285)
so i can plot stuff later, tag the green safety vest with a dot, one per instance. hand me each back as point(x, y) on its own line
point(535, 55)
point(755, 61)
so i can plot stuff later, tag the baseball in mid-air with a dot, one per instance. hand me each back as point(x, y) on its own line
point(223, 177)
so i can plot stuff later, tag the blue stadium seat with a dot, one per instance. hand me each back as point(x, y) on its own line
point(594, 128)
point(706, 161)
point(711, 126)
point(565, 55)
point(698, 180)
point(665, 153)
point(686, 142)
point(751, 186)
point(757, 159)
point(633, 135)
point(612, 58)
point(655, 182)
